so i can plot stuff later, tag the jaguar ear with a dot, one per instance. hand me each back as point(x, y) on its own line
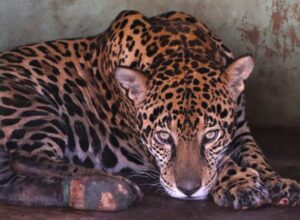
point(133, 83)
point(237, 72)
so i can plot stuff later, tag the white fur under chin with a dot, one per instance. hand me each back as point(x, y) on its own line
point(201, 194)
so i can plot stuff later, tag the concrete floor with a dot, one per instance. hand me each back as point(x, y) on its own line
point(280, 145)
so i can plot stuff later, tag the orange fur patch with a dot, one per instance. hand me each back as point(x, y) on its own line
point(77, 190)
point(107, 202)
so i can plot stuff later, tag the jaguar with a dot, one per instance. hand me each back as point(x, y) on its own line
point(149, 93)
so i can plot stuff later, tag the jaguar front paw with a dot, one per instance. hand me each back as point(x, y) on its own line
point(284, 192)
point(101, 193)
point(241, 189)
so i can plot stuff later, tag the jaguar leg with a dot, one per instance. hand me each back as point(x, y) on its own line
point(49, 183)
point(283, 191)
point(245, 151)
point(239, 187)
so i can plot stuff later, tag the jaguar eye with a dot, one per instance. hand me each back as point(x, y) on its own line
point(211, 136)
point(163, 137)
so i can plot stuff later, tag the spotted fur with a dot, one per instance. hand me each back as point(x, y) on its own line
point(160, 92)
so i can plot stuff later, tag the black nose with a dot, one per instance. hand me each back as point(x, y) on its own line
point(189, 188)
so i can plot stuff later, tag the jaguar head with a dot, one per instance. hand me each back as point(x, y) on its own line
point(186, 120)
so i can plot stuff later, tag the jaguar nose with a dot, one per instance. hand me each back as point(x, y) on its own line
point(189, 188)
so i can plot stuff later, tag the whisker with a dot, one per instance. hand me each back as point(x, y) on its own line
point(148, 174)
point(228, 158)
point(154, 184)
point(137, 158)
point(161, 191)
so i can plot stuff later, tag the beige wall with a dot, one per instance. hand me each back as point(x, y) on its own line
point(269, 29)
